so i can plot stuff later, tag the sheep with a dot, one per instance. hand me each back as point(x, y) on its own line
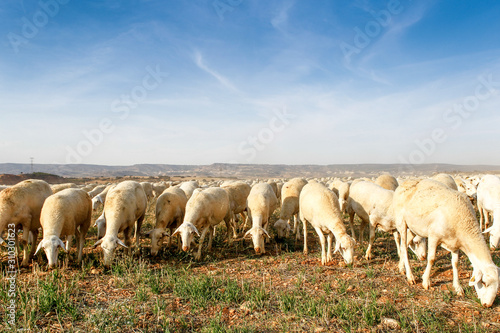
point(3, 187)
point(488, 202)
point(289, 207)
point(66, 213)
point(204, 210)
point(96, 190)
point(59, 187)
point(320, 207)
point(238, 194)
point(373, 204)
point(170, 209)
point(261, 203)
point(445, 217)
point(100, 198)
point(20, 207)
point(189, 187)
point(87, 188)
point(148, 189)
point(446, 179)
point(125, 204)
point(387, 181)
point(158, 188)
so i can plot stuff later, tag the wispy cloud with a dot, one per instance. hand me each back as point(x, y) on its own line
point(199, 61)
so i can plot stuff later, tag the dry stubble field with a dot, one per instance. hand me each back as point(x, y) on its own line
point(234, 290)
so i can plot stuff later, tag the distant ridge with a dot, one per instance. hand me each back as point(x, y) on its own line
point(243, 170)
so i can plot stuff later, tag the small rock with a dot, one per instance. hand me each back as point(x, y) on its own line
point(393, 324)
point(319, 329)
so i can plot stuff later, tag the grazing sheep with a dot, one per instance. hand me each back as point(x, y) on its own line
point(320, 207)
point(189, 187)
point(125, 204)
point(289, 207)
point(170, 209)
point(373, 204)
point(445, 217)
point(261, 203)
point(204, 210)
point(465, 185)
point(66, 213)
point(238, 194)
point(148, 190)
point(100, 198)
point(387, 181)
point(158, 188)
point(20, 207)
point(87, 188)
point(488, 202)
point(446, 179)
point(59, 187)
point(96, 190)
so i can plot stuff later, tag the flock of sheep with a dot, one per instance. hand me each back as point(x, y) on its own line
point(421, 213)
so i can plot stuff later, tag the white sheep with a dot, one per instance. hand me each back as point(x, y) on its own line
point(238, 194)
point(148, 190)
point(387, 181)
point(96, 190)
point(290, 193)
point(125, 204)
point(170, 209)
point(204, 210)
point(446, 179)
point(189, 187)
point(100, 198)
point(373, 204)
point(445, 217)
point(320, 207)
point(65, 213)
point(20, 207)
point(488, 202)
point(59, 187)
point(261, 203)
point(158, 188)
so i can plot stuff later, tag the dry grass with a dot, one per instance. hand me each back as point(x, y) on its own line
point(233, 290)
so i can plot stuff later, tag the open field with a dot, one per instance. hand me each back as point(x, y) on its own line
point(233, 290)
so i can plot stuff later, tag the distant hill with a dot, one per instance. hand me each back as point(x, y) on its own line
point(9, 179)
point(242, 170)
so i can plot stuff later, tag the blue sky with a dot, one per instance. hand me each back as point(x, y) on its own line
point(247, 81)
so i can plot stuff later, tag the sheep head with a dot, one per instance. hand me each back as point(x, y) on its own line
point(418, 245)
point(282, 229)
point(345, 245)
point(157, 236)
point(109, 245)
point(50, 246)
point(186, 231)
point(257, 234)
point(485, 282)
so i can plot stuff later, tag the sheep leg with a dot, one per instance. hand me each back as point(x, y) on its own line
point(69, 238)
point(306, 251)
point(138, 225)
point(481, 218)
point(351, 224)
point(197, 255)
point(368, 254)
point(29, 254)
point(456, 283)
point(396, 239)
point(322, 240)
point(210, 238)
point(431, 250)
point(486, 219)
point(329, 239)
point(403, 259)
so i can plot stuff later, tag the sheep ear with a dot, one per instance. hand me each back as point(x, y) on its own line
point(487, 230)
point(1, 241)
point(196, 231)
point(247, 233)
point(265, 233)
point(97, 243)
point(118, 241)
point(61, 244)
point(175, 232)
point(40, 245)
point(477, 276)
